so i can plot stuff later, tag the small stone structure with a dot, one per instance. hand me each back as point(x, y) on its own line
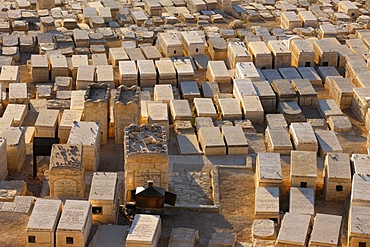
point(294, 230)
point(302, 201)
point(104, 197)
point(15, 147)
point(303, 169)
point(126, 110)
point(75, 224)
point(267, 204)
point(42, 224)
point(144, 231)
point(66, 171)
point(326, 230)
point(337, 177)
point(47, 123)
point(146, 157)
point(88, 135)
point(358, 226)
point(268, 170)
point(96, 107)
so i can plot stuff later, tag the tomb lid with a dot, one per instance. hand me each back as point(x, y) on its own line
point(294, 229)
point(103, 186)
point(326, 229)
point(44, 215)
point(74, 216)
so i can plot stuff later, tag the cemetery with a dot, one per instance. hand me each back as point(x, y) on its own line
point(154, 123)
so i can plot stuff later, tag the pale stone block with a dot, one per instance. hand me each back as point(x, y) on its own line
point(75, 223)
point(137, 236)
point(211, 141)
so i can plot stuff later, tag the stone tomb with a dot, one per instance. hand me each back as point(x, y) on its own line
point(104, 198)
point(105, 74)
point(303, 169)
point(46, 124)
point(246, 70)
point(42, 224)
point(109, 235)
point(117, 54)
point(211, 141)
point(18, 93)
point(96, 107)
point(278, 141)
point(263, 230)
point(146, 157)
point(235, 140)
point(203, 122)
point(260, 54)
point(189, 90)
point(147, 73)
point(128, 73)
point(77, 99)
point(268, 170)
point(359, 226)
point(329, 107)
point(166, 72)
point(58, 66)
point(144, 231)
point(361, 164)
point(284, 90)
point(9, 74)
point(243, 87)
point(253, 109)
point(303, 137)
point(15, 147)
point(39, 68)
point(75, 224)
point(17, 112)
point(276, 120)
point(66, 123)
point(126, 110)
point(210, 90)
point(229, 109)
point(88, 135)
point(187, 144)
point(85, 76)
point(326, 230)
point(281, 55)
point(66, 171)
point(302, 201)
point(267, 204)
point(360, 189)
point(307, 95)
point(328, 142)
point(163, 93)
point(222, 239)
point(204, 108)
point(310, 74)
point(217, 71)
point(294, 230)
point(337, 177)
point(266, 95)
point(158, 114)
point(180, 110)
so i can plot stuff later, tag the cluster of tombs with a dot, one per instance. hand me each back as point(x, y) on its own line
point(137, 71)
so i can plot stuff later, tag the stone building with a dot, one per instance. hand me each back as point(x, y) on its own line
point(46, 124)
point(104, 197)
point(96, 107)
point(43, 221)
point(75, 224)
point(303, 169)
point(88, 135)
point(126, 110)
point(358, 226)
point(337, 177)
point(303, 54)
point(66, 171)
point(146, 157)
point(192, 43)
point(15, 147)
